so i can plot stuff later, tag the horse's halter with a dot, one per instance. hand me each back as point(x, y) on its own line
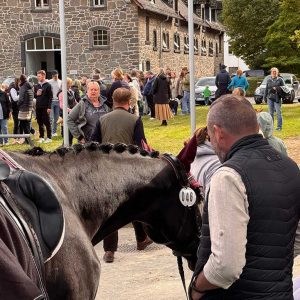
point(190, 198)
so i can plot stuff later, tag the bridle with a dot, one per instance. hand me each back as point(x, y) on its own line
point(190, 198)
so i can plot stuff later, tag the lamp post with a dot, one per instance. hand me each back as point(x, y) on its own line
point(64, 70)
point(191, 64)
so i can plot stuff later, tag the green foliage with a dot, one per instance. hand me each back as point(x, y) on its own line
point(296, 37)
point(282, 49)
point(247, 23)
point(253, 84)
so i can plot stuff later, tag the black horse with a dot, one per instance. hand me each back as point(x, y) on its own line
point(101, 188)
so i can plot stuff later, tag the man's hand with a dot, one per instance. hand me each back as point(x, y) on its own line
point(82, 141)
point(49, 110)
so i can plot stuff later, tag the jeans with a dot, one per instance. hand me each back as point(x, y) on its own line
point(3, 130)
point(186, 102)
point(273, 106)
point(16, 122)
point(54, 115)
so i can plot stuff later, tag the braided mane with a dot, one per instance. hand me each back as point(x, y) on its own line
point(91, 147)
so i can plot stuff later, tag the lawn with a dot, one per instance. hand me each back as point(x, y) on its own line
point(170, 138)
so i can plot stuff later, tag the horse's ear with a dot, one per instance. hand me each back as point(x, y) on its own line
point(61, 151)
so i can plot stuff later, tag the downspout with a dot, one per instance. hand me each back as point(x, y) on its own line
point(161, 41)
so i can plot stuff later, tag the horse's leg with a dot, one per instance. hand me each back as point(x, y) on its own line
point(74, 272)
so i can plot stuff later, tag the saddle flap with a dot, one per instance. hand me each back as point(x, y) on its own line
point(41, 207)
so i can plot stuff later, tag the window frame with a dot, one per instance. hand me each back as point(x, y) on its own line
point(155, 48)
point(41, 8)
point(165, 41)
point(92, 38)
point(177, 43)
point(93, 6)
point(186, 46)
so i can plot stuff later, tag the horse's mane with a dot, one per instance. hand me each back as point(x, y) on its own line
point(92, 147)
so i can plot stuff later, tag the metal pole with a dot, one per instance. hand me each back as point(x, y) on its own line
point(191, 64)
point(64, 70)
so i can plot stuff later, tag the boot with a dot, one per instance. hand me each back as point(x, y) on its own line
point(109, 256)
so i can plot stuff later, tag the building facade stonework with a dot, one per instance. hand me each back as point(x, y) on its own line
point(105, 34)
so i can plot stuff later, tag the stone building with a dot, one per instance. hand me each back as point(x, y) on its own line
point(106, 34)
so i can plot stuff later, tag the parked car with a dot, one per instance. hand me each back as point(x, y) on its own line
point(291, 83)
point(31, 78)
point(201, 85)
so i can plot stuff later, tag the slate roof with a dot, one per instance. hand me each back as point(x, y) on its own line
point(159, 7)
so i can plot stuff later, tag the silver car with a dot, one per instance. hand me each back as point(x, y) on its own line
point(291, 83)
point(201, 85)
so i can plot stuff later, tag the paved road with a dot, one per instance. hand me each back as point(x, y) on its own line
point(144, 275)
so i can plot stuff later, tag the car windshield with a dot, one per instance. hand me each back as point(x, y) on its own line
point(286, 78)
point(210, 81)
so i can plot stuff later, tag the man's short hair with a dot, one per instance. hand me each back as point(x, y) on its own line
point(41, 72)
point(233, 113)
point(121, 96)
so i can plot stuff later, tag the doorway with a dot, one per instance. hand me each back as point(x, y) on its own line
point(43, 53)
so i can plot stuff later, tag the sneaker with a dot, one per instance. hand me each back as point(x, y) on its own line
point(109, 257)
point(278, 129)
point(54, 134)
point(6, 144)
point(152, 118)
point(47, 141)
point(41, 140)
point(32, 130)
point(21, 141)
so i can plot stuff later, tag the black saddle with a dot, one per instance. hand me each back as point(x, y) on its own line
point(38, 202)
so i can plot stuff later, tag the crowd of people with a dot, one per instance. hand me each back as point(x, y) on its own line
point(251, 188)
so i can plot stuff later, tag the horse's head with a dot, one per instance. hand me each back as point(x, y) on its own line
point(158, 206)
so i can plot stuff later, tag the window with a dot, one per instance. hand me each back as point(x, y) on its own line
point(42, 44)
point(176, 6)
point(148, 65)
point(217, 50)
point(196, 46)
point(211, 48)
point(147, 29)
point(203, 48)
point(41, 4)
point(202, 12)
point(154, 40)
point(186, 44)
point(176, 43)
point(100, 38)
point(98, 3)
point(165, 41)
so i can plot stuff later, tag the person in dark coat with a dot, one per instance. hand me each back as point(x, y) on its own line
point(5, 110)
point(161, 97)
point(14, 98)
point(222, 81)
point(25, 105)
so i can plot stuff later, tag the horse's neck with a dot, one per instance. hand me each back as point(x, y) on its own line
point(94, 185)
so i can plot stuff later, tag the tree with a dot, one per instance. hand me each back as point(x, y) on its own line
point(247, 23)
point(281, 39)
point(296, 37)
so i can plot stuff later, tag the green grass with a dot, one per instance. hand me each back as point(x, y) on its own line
point(170, 138)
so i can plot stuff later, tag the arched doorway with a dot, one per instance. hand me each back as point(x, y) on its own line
point(42, 53)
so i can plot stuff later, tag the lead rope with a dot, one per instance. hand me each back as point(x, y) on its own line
point(181, 273)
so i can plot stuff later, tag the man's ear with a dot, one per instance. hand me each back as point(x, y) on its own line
point(218, 132)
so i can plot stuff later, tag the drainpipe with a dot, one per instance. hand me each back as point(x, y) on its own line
point(161, 41)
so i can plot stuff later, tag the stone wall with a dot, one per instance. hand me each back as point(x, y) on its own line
point(19, 21)
point(127, 27)
point(204, 65)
